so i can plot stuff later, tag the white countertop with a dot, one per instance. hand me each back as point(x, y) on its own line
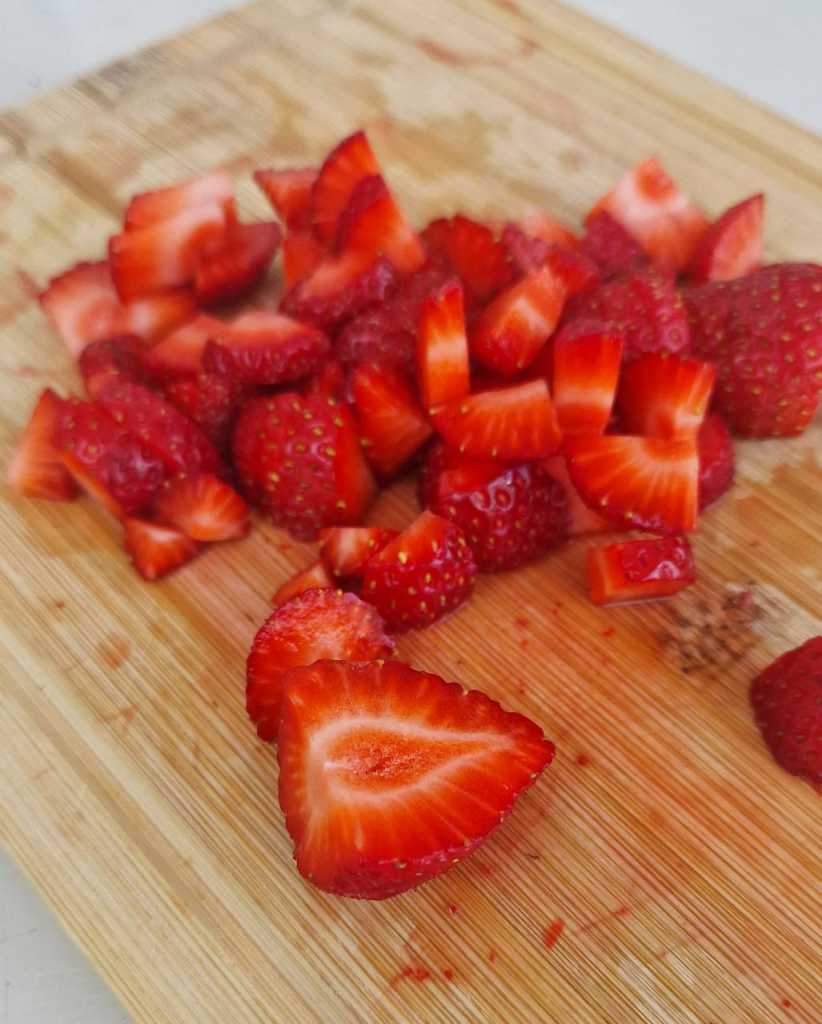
point(44, 979)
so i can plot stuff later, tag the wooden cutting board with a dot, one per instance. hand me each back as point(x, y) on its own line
point(675, 867)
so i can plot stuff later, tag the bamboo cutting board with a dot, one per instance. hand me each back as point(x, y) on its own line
point(664, 869)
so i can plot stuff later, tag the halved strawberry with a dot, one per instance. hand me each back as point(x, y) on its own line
point(470, 251)
point(156, 550)
point(238, 267)
point(289, 193)
point(83, 306)
point(442, 347)
point(641, 482)
point(315, 577)
point(344, 168)
point(154, 316)
point(180, 352)
point(211, 400)
point(392, 423)
point(514, 327)
point(167, 203)
point(586, 371)
point(582, 520)
point(732, 245)
point(662, 395)
point(516, 423)
point(610, 246)
point(640, 570)
point(373, 223)
point(302, 254)
point(204, 507)
point(114, 359)
point(36, 469)
point(347, 549)
point(339, 288)
point(539, 224)
point(389, 776)
point(316, 625)
point(267, 349)
point(648, 204)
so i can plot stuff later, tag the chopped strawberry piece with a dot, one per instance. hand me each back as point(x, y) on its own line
point(330, 380)
point(211, 400)
point(339, 288)
point(181, 351)
point(640, 570)
point(581, 519)
point(444, 467)
point(424, 573)
point(732, 245)
point(586, 371)
point(442, 347)
point(315, 577)
point(36, 468)
point(344, 168)
point(516, 423)
point(302, 254)
point(514, 327)
point(166, 203)
point(648, 204)
point(662, 395)
point(716, 459)
point(372, 223)
point(204, 507)
point(156, 550)
point(577, 271)
point(610, 246)
point(641, 482)
point(314, 626)
point(470, 251)
point(392, 423)
point(238, 267)
point(289, 193)
point(346, 549)
point(82, 306)
point(155, 315)
point(540, 225)
point(116, 359)
point(389, 776)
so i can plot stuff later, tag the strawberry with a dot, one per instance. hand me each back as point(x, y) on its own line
point(582, 520)
point(638, 482)
point(577, 271)
point(716, 459)
point(787, 704)
point(289, 193)
point(372, 223)
point(36, 469)
point(664, 395)
point(266, 349)
point(211, 400)
point(302, 254)
point(316, 625)
point(586, 371)
point(610, 246)
point(345, 167)
point(444, 466)
point(389, 776)
point(764, 333)
point(339, 288)
point(153, 316)
point(538, 224)
point(640, 570)
point(514, 327)
point(392, 424)
point(424, 573)
point(166, 203)
point(469, 250)
point(517, 423)
point(113, 359)
point(315, 577)
point(238, 267)
point(156, 550)
point(644, 306)
point(346, 549)
point(648, 204)
point(204, 507)
point(442, 347)
point(181, 351)
point(300, 458)
point(83, 306)
point(732, 245)
point(329, 380)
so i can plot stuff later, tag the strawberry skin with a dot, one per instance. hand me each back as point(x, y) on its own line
point(787, 705)
point(586, 371)
point(156, 550)
point(113, 359)
point(391, 421)
point(732, 245)
point(468, 249)
point(442, 347)
point(339, 288)
point(204, 507)
point(289, 193)
point(347, 549)
point(664, 395)
point(240, 266)
point(640, 570)
point(716, 459)
point(36, 469)
point(315, 577)
point(610, 246)
point(211, 400)
point(388, 776)
point(372, 223)
point(351, 161)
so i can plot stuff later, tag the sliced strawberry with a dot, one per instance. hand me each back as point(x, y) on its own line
point(716, 459)
point(267, 349)
point(315, 577)
point(36, 468)
point(648, 204)
point(302, 254)
point(115, 359)
point(610, 246)
point(156, 550)
point(586, 371)
point(581, 519)
point(389, 776)
point(289, 193)
point(516, 423)
point(642, 482)
point(538, 224)
point(346, 549)
point(442, 347)
point(316, 625)
point(640, 570)
point(344, 168)
point(83, 306)
point(180, 353)
point(166, 203)
point(445, 468)
point(154, 316)
point(392, 423)
point(732, 245)
point(204, 507)
point(515, 326)
point(373, 223)
point(240, 266)
point(330, 380)
point(339, 288)
point(211, 400)
point(424, 573)
point(574, 268)
point(662, 395)
point(470, 251)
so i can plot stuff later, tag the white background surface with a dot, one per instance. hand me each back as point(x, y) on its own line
point(765, 49)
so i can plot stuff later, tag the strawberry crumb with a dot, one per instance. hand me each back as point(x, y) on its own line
point(492, 956)
point(583, 760)
point(521, 622)
point(786, 1004)
point(453, 908)
point(552, 933)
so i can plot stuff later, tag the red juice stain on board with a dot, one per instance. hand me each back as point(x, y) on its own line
point(412, 973)
point(583, 760)
point(609, 631)
point(786, 1004)
point(59, 605)
point(448, 973)
point(113, 650)
point(453, 908)
point(521, 622)
point(492, 956)
point(551, 934)
point(524, 642)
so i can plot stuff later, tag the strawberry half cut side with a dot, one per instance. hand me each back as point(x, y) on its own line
point(442, 348)
point(344, 168)
point(315, 577)
point(392, 423)
point(36, 469)
point(240, 266)
point(373, 223)
point(732, 245)
point(156, 550)
point(289, 193)
point(204, 507)
point(586, 371)
point(347, 549)
point(664, 395)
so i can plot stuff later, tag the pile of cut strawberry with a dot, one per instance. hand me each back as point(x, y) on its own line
point(544, 384)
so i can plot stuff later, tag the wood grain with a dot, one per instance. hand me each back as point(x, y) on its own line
point(683, 865)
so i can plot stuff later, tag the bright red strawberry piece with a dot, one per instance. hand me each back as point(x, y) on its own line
point(640, 570)
point(424, 573)
point(238, 267)
point(329, 381)
point(392, 423)
point(732, 245)
point(36, 468)
point(540, 225)
point(574, 268)
point(166, 203)
point(716, 459)
point(442, 347)
point(346, 549)
point(610, 246)
point(315, 626)
point(289, 193)
point(156, 550)
point(315, 577)
point(82, 306)
point(663, 395)
point(266, 349)
point(204, 507)
point(114, 359)
point(648, 204)
point(300, 458)
point(517, 423)
point(787, 705)
point(181, 351)
point(389, 776)
point(154, 316)
point(469, 250)
point(646, 483)
point(339, 288)
point(582, 520)
point(514, 327)
point(764, 333)
point(372, 223)
point(586, 371)
point(445, 467)
point(211, 400)
point(302, 254)
point(344, 168)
